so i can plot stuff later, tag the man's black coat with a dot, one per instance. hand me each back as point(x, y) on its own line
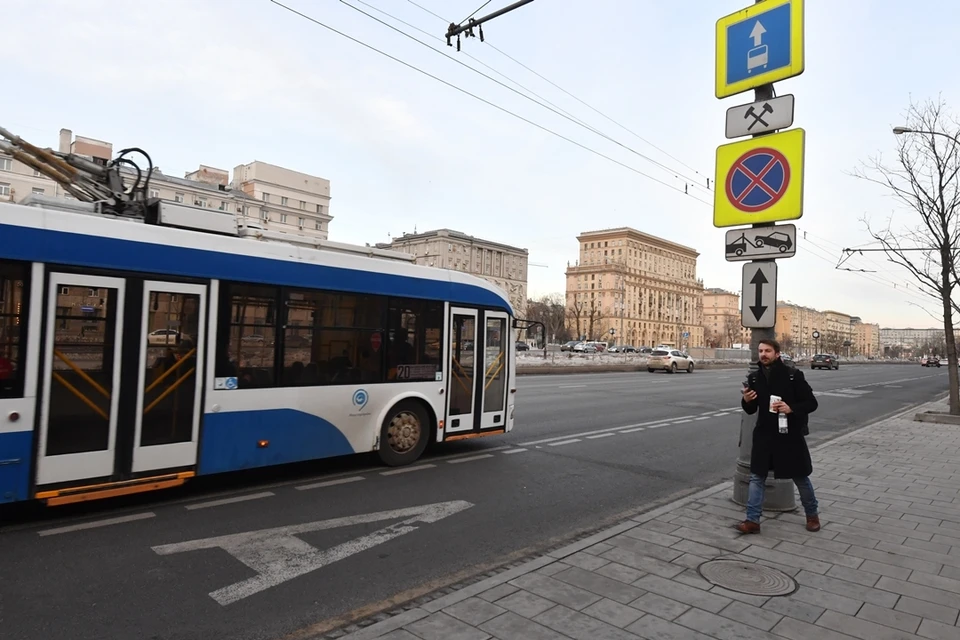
point(786, 454)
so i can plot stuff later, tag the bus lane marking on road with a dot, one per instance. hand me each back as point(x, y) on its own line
point(278, 555)
point(97, 524)
point(470, 458)
point(419, 467)
point(223, 501)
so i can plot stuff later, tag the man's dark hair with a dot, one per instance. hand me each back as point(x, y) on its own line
point(772, 343)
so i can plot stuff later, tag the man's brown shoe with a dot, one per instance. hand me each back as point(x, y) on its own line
point(813, 523)
point(748, 526)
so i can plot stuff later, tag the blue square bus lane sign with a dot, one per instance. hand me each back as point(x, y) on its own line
point(759, 180)
point(759, 45)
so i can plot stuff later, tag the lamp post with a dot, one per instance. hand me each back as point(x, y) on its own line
point(899, 131)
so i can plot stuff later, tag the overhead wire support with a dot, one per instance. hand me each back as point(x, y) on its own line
point(454, 30)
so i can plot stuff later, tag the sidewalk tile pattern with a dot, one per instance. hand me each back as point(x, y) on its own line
point(885, 566)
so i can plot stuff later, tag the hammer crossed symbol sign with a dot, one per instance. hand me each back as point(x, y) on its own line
point(758, 118)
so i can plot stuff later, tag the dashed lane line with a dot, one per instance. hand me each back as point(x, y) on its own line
point(98, 523)
point(563, 442)
point(470, 458)
point(509, 452)
point(419, 467)
point(330, 483)
point(235, 499)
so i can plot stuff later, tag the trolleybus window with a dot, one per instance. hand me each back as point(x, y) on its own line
point(14, 282)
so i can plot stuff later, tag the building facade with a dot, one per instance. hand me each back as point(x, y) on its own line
point(642, 287)
point(500, 264)
point(866, 339)
point(272, 197)
point(795, 327)
point(721, 320)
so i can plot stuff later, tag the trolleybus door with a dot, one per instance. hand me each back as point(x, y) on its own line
point(81, 378)
point(494, 392)
point(171, 348)
point(462, 367)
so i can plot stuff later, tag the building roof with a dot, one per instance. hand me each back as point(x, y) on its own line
point(450, 233)
point(646, 237)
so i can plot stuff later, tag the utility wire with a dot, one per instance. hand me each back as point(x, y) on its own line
point(485, 101)
point(584, 103)
point(475, 12)
point(576, 121)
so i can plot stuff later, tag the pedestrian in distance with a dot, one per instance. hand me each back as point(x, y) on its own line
point(783, 400)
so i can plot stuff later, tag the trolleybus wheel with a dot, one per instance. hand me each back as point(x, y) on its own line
point(404, 434)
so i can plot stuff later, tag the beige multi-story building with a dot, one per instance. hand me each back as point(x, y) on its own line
point(721, 320)
point(839, 332)
point(266, 195)
point(643, 287)
point(501, 264)
point(866, 339)
point(795, 327)
point(909, 338)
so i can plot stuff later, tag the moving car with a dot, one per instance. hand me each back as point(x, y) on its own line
point(670, 361)
point(824, 361)
point(930, 361)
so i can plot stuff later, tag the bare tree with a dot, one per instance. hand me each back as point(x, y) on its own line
point(787, 343)
point(731, 330)
point(924, 180)
point(575, 312)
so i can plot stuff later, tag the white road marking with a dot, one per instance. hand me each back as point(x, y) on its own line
point(330, 483)
point(600, 435)
point(470, 459)
point(419, 467)
point(704, 418)
point(571, 386)
point(278, 555)
point(563, 442)
point(98, 523)
point(222, 501)
point(633, 430)
point(657, 426)
point(512, 451)
point(682, 421)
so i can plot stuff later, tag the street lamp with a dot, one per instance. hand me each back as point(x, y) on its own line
point(899, 131)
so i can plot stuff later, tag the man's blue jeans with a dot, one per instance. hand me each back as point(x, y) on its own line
point(755, 496)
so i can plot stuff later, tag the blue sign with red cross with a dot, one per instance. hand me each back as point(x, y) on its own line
point(758, 179)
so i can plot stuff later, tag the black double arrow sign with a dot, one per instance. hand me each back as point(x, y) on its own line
point(758, 308)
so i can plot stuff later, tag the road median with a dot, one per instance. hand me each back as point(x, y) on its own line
point(564, 366)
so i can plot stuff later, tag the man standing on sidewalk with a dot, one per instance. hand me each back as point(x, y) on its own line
point(783, 400)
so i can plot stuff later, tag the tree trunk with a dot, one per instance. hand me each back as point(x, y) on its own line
point(951, 339)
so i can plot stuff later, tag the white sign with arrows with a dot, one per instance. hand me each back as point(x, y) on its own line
point(758, 297)
point(760, 117)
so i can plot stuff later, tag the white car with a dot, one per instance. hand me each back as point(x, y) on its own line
point(161, 337)
point(670, 361)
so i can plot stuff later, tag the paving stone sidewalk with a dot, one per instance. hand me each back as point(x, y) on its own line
point(885, 566)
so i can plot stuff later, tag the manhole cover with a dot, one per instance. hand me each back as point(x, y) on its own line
point(744, 577)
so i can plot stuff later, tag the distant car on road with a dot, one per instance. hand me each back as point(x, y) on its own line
point(776, 239)
point(522, 346)
point(930, 362)
point(824, 361)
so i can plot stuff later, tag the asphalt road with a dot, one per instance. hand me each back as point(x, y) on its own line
point(247, 558)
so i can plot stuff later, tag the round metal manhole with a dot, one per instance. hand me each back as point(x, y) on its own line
point(744, 577)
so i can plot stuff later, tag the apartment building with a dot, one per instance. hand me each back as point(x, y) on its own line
point(866, 339)
point(795, 327)
point(500, 264)
point(721, 319)
point(273, 197)
point(642, 287)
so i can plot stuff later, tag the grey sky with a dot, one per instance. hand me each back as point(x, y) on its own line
point(224, 82)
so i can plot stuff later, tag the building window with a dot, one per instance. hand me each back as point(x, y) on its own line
point(36, 173)
point(300, 222)
point(303, 205)
point(37, 191)
point(319, 208)
point(6, 164)
point(178, 197)
point(264, 214)
point(154, 193)
point(319, 225)
point(283, 218)
point(4, 189)
point(200, 202)
point(283, 200)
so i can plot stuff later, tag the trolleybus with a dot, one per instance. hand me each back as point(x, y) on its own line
point(136, 353)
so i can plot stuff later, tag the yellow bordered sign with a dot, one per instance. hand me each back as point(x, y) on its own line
point(759, 45)
point(759, 180)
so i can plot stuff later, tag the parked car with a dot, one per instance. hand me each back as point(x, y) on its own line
point(824, 361)
point(670, 361)
point(568, 346)
point(583, 347)
point(522, 346)
point(930, 361)
point(163, 337)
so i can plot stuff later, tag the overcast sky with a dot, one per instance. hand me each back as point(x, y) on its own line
point(224, 82)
